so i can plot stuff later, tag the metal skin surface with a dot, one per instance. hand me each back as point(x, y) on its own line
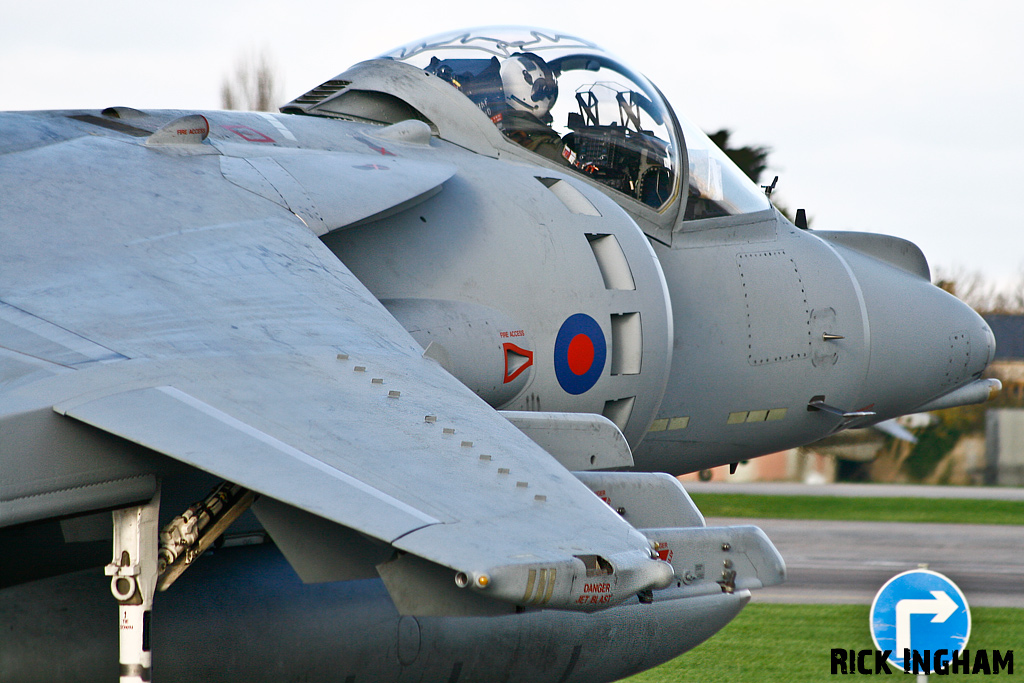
point(245, 611)
point(332, 308)
point(531, 263)
point(751, 302)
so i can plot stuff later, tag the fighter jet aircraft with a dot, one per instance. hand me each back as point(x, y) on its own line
point(385, 386)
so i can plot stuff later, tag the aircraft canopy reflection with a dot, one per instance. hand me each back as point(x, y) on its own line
point(571, 101)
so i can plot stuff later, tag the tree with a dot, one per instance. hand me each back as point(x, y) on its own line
point(984, 296)
point(751, 160)
point(254, 86)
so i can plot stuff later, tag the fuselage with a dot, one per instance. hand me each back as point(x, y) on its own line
point(619, 269)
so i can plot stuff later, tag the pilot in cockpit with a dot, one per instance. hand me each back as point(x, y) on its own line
point(530, 90)
point(517, 93)
point(567, 100)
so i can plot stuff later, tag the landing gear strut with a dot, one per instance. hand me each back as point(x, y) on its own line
point(147, 559)
point(133, 573)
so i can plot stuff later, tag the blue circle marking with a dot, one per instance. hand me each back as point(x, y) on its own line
point(920, 610)
point(567, 371)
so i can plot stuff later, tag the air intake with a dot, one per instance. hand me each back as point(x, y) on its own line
point(315, 96)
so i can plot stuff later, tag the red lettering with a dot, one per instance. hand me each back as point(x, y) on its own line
point(663, 552)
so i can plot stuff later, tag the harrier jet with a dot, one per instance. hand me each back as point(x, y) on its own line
point(390, 385)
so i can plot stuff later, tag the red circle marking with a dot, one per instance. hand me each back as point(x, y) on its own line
point(581, 354)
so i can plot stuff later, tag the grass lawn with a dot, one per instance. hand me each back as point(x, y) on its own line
point(950, 511)
point(769, 642)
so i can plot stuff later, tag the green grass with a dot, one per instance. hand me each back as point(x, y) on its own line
point(943, 510)
point(768, 642)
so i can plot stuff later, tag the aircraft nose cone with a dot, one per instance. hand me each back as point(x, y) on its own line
point(990, 344)
point(924, 342)
point(979, 348)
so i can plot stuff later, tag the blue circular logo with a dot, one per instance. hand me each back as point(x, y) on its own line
point(917, 611)
point(580, 353)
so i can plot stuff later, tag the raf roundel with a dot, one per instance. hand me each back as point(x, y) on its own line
point(580, 353)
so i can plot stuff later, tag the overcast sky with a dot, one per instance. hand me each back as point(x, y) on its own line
point(904, 117)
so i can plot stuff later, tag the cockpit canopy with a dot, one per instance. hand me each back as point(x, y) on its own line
point(563, 98)
point(571, 102)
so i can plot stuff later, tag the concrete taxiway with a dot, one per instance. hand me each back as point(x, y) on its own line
point(860, 490)
point(847, 562)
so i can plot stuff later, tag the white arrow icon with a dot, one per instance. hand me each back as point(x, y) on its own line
point(942, 606)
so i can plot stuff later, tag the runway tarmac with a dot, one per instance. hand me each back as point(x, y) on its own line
point(860, 490)
point(847, 562)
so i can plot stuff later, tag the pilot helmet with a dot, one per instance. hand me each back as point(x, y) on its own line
point(529, 84)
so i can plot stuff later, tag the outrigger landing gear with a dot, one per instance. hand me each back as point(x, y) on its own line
point(133, 573)
point(147, 559)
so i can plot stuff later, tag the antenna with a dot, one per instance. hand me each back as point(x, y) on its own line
point(768, 188)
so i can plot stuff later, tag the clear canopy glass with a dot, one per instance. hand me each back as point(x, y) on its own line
point(570, 101)
point(717, 186)
point(566, 99)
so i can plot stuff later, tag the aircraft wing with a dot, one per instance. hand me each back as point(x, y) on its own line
point(213, 326)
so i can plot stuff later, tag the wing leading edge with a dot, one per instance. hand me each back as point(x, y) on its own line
point(244, 348)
